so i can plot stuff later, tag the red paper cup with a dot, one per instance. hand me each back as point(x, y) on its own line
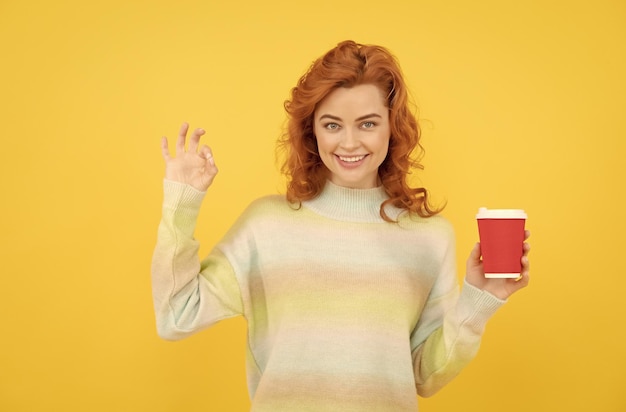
point(501, 234)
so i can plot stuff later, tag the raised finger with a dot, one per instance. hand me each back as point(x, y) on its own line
point(194, 140)
point(182, 135)
point(164, 149)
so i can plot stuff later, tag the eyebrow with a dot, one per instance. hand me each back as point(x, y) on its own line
point(367, 116)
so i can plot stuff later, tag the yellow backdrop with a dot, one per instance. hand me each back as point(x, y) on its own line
point(521, 105)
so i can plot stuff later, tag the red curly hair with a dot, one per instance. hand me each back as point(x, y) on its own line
point(348, 65)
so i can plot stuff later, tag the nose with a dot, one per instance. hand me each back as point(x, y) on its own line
point(349, 140)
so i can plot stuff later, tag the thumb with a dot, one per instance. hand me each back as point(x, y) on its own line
point(474, 257)
point(474, 267)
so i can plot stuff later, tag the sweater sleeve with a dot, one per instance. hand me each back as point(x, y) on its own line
point(451, 325)
point(188, 295)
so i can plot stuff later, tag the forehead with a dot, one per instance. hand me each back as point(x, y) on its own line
point(358, 99)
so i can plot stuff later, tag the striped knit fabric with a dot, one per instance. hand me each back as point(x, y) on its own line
point(345, 312)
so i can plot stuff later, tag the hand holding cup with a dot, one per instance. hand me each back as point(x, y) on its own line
point(504, 267)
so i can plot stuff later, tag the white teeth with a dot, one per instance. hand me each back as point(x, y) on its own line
point(351, 159)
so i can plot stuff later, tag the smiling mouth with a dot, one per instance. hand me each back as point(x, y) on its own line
point(351, 159)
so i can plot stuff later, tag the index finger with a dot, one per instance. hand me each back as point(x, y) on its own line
point(194, 140)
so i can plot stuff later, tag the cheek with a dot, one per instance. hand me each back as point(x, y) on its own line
point(324, 144)
point(384, 145)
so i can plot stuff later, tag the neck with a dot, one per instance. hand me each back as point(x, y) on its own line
point(351, 205)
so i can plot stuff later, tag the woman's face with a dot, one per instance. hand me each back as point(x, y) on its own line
point(351, 126)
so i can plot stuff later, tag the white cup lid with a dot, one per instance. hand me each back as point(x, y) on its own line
point(484, 213)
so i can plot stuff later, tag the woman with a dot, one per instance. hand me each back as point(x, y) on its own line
point(348, 282)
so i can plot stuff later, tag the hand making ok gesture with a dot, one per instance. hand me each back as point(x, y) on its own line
point(194, 165)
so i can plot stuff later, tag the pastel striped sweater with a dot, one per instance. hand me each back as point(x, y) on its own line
point(345, 312)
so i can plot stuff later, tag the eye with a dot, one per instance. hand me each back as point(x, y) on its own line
point(331, 126)
point(368, 125)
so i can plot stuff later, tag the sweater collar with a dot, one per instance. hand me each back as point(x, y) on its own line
point(351, 205)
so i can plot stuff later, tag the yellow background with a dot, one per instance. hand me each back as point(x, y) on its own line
point(521, 103)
